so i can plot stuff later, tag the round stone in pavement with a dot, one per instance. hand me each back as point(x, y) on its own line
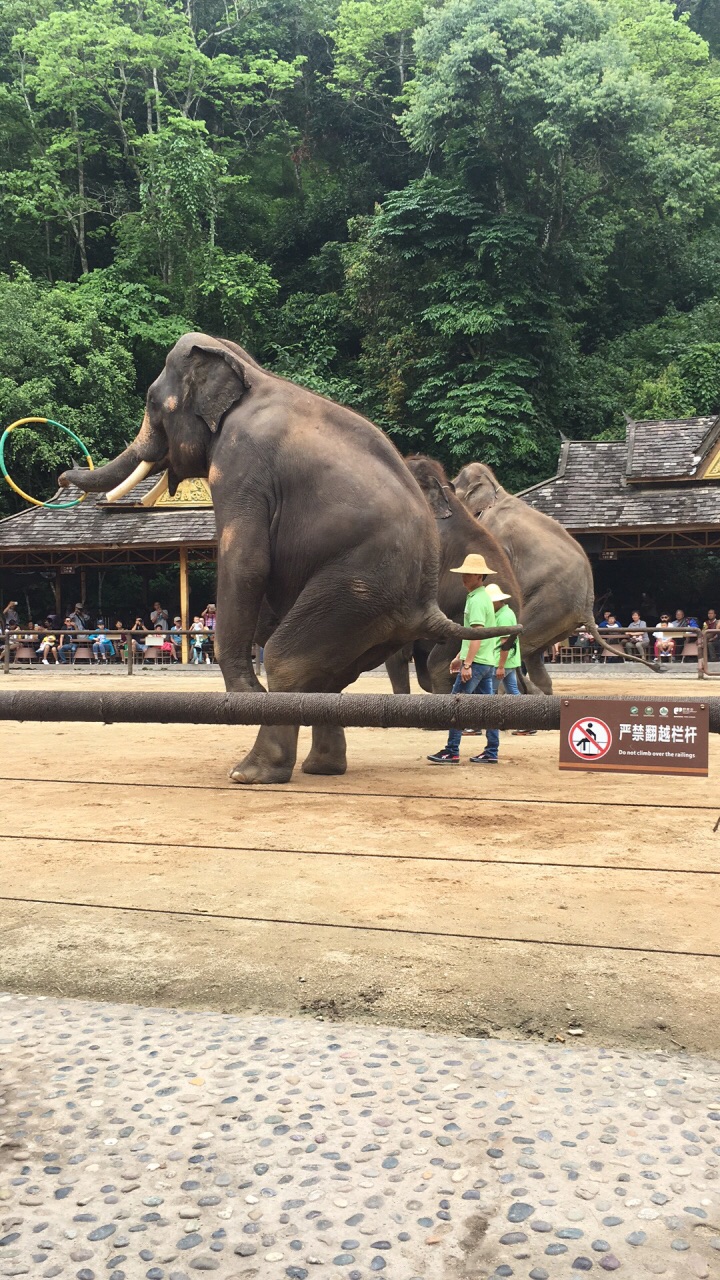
point(518, 1212)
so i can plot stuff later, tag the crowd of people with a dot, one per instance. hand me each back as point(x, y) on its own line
point(638, 639)
point(56, 640)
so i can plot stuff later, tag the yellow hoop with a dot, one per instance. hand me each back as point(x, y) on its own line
point(21, 422)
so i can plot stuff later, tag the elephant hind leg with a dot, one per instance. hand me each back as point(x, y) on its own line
point(328, 754)
point(302, 656)
point(537, 679)
point(398, 669)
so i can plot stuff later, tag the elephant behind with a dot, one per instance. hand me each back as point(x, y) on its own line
point(552, 568)
point(459, 536)
point(317, 515)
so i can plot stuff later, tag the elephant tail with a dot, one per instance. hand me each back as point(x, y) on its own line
point(597, 635)
point(436, 626)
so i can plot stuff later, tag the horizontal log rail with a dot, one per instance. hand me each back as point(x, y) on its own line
point(357, 710)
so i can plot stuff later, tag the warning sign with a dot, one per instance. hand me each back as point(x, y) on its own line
point(656, 735)
point(590, 739)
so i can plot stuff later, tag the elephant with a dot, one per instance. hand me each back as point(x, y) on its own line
point(553, 570)
point(459, 535)
point(317, 516)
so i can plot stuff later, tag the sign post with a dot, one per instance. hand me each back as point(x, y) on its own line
point(622, 735)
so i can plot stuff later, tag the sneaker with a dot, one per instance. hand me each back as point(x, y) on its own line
point(45, 662)
point(444, 757)
point(483, 759)
point(524, 733)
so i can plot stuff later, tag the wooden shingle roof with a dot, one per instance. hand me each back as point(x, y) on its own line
point(593, 492)
point(667, 449)
point(96, 523)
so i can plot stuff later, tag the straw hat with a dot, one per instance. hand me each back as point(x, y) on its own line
point(495, 594)
point(473, 563)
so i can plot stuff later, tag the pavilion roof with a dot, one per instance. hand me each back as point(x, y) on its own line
point(97, 523)
point(663, 474)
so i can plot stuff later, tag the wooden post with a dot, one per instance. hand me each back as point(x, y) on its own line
point(58, 593)
point(83, 587)
point(184, 604)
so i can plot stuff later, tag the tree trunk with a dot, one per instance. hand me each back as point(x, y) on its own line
point(80, 226)
point(401, 60)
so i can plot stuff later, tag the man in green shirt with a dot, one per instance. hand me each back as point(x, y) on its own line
point(474, 666)
point(507, 651)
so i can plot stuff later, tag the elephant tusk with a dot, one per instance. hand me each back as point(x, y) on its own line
point(142, 470)
point(156, 492)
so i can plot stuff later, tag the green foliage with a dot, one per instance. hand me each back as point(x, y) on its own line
point(480, 222)
point(61, 357)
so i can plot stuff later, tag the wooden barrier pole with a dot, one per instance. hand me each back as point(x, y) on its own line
point(184, 605)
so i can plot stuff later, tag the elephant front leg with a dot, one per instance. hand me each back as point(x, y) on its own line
point(272, 758)
point(243, 572)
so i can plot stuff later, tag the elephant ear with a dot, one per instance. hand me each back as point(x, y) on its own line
point(217, 380)
point(479, 498)
point(437, 498)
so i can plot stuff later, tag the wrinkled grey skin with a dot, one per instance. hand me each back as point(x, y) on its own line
point(553, 570)
point(460, 535)
point(317, 515)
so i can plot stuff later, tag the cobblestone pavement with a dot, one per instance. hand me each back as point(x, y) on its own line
point(151, 1144)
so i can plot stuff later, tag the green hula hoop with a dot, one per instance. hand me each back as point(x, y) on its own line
point(21, 422)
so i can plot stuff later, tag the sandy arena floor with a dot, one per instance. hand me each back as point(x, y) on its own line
point(520, 902)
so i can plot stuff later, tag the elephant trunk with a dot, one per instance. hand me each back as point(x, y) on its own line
point(118, 477)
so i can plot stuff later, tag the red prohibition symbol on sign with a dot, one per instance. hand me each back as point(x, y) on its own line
point(590, 739)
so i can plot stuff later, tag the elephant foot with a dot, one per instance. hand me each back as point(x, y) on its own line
point(317, 762)
point(254, 772)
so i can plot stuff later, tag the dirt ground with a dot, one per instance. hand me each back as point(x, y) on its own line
point(508, 900)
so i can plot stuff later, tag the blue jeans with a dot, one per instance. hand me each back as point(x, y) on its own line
point(482, 680)
point(511, 683)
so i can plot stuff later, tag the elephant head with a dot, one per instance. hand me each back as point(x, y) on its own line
point(477, 487)
point(434, 484)
point(203, 378)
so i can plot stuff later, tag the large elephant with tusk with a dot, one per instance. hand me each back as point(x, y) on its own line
point(317, 517)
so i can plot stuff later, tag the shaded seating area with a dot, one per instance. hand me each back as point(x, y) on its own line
point(146, 531)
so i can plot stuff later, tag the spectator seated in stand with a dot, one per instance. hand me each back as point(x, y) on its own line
point(176, 638)
point(48, 644)
point(67, 643)
point(167, 647)
point(138, 635)
point(612, 624)
point(154, 642)
point(664, 642)
point(582, 642)
point(102, 646)
point(637, 646)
